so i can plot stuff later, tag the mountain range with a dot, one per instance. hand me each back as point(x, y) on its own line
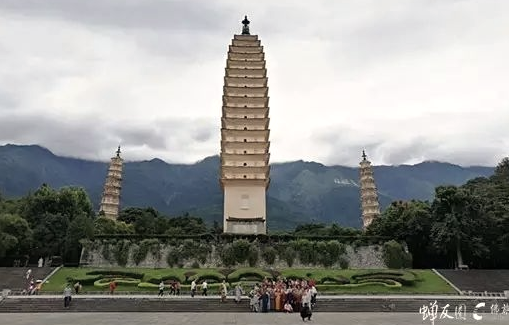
point(299, 192)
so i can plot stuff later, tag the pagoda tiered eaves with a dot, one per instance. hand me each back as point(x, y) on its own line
point(245, 136)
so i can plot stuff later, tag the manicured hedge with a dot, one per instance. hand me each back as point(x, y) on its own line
point(210, 277)
point(85, 281)
point(254, 275)
point(165, 278)
point(105, 282)
point(405, 278)
point(117, 274)
point(334, 280)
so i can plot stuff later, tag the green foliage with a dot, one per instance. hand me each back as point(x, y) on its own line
point(117, 274)
point(289, 256)
point(228, 256)
point(241, 249)
point(395, 256)
point(174, 257)
point(15, 234)
point(105, 282)
point(334, 280)
point(269, 255)
point(404, 277)
point(248, 275)
point(166, 279)
point(253, 255)
point(306, 251)
point(208, 276)
point(121, 252)
point(343, 263)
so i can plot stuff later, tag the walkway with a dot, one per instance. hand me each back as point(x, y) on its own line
point(237, 319)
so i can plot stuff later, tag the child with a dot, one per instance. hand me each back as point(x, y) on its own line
point(305, 312)
point(288, 308)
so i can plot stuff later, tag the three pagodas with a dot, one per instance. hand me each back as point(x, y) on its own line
point(245, 170)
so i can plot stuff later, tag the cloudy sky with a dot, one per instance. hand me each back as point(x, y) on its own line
point(409, 80)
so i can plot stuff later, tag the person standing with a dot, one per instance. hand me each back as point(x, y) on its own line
point(67, 295)
point(193, 288)
point(77, 287)
point(204, 287)
point(224, 291)
point(238, 293)
point(113, 286)
point(161, 289)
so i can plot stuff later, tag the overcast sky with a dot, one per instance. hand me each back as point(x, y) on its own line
point(408, 80)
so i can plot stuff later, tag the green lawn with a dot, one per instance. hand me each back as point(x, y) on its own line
point(426, 282)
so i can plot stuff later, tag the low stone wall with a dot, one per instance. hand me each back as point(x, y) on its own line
point(356, 257)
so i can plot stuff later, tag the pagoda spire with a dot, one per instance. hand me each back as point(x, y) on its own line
point(370, 206)
point(110, 201)
point(245, 27)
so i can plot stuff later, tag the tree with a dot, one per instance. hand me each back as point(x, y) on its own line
point(459, 223)
point(13, 226)
point(82, 227)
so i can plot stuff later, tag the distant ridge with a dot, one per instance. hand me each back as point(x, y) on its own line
point(300, 191)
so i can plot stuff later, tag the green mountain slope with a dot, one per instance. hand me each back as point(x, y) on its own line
point(299, 191)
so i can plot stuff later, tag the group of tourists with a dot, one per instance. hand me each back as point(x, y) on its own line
point(284, 295)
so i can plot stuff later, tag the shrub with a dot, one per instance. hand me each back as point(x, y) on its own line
point(306, 250)
point(395, 256)
point(226, 271)
point(269, 255)
point(241, 250)
point(227, 255)
point(343, 263)
point(164, 279)
point(173, 257)
point(210, 277)
point(84, 281)
point(405, 278)
point(188, 274)
point(140, 251)
point(289, 256)
point(105, 282)
point(334, 280)
point(106, 252)
point(121, 252)
point(253, 256)
point(117, 274)
point(195, 265)
point(257, 275)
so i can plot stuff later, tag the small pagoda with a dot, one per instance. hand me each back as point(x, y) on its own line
point(245, 136)
point(370, 206)
point(110, 202)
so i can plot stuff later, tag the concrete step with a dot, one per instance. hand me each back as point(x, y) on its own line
point(113, 304)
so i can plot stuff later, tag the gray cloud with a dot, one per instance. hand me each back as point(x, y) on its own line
point(93, 139)
point(405, 80)
point(179, 15)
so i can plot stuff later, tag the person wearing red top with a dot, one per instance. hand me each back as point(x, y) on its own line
point(113, 286)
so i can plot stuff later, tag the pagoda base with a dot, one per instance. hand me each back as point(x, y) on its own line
point(244, 226)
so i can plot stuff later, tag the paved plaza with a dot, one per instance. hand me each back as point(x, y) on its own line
point(234, 319)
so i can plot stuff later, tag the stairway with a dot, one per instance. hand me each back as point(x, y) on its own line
point(23, 304)
point(478, 280)
point(13, 278)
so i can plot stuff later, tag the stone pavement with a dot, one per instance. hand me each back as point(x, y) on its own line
point(234, 319)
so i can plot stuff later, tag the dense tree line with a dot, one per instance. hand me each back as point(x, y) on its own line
point(465, 225)
point(52, 222)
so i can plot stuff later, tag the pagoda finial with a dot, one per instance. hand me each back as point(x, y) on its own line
point(364, 156)
point(245, 28)
point(118, 151)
